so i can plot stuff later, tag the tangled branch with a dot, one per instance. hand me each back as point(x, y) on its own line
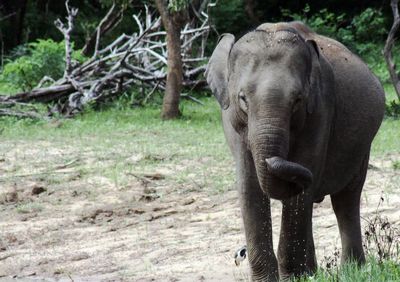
point(136, 59)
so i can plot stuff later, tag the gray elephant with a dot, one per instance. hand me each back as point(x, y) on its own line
point(299, 112)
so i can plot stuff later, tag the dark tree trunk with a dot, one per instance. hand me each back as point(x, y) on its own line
point(16, 10)
point(250, 7)
point(173, 23)
point(173, 89)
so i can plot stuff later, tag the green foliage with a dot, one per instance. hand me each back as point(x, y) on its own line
point(44, 57)
point(229, 16)
point(393, 109)
point(361, 33)
point(178, 5)
point(387, 139)
point(351, 272)
point(369, 25)
point(109, 3)
point(364, 33)
point(323, 22)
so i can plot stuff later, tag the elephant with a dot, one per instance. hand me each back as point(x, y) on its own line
point(299, 112)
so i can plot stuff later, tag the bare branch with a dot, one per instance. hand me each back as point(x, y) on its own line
point(387, 51)
point(138, 58)
point(7, 16)
point(66, 31)
point(110, 20)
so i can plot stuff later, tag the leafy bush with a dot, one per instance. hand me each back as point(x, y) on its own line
point(229, 16)
point(393, 109)
point(41, 58)
point(364, 33)
point(361, 34)
point(323, 22)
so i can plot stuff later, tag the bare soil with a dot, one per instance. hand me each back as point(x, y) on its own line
point(59, 223)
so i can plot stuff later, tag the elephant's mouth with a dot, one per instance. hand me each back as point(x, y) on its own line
point(285, 179)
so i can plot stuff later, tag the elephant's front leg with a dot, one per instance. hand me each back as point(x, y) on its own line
point(296, 252)
point(255, 206)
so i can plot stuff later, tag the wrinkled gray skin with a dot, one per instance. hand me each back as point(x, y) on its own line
point(299, 112)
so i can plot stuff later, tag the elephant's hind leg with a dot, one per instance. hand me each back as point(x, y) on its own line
point(346, 205)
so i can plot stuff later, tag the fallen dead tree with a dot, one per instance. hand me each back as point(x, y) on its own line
point(139, 59)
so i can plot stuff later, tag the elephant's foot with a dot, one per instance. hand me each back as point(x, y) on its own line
point(296, 267)
point(262, 273)
point(263, 265)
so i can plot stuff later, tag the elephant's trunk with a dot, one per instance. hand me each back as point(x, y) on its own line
point(289, 171)
point(279, 178)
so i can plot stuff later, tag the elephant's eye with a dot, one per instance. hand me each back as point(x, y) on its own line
point(243, 101)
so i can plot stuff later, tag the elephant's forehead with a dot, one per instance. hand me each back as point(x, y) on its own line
point(271, 67)
point(269, 45)
point(265, 74)
point(255, 54)
point(258, 50)
point(264, 79)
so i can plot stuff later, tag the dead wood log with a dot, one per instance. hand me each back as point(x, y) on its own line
point(20, 114)
point(21, 110)
point(136, 59)
point(44, 95)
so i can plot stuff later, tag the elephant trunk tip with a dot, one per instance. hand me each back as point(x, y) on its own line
point(289, 171)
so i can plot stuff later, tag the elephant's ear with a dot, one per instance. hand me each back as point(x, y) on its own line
point(315, 76)
point(217, 69)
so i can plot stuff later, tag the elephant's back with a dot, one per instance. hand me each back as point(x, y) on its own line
point(355, 85)
point(359, 95)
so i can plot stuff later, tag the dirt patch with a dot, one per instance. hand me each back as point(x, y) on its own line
point(66, 221)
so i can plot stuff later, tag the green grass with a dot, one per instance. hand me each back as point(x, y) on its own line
point(197, 133)
point(372, 271)
point(390, 92)
point(193, 146)
point(29, 208)
point(195, 142)
point(387, 139)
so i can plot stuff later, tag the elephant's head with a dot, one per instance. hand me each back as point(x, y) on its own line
point(267, 83)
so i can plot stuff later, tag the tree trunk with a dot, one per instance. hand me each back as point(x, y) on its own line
point(173, 89)
point(173, 22)
point(16, 10)
point(250, 7)
point(387, 51)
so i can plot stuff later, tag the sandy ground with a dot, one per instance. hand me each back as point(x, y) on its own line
point(53, 227)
